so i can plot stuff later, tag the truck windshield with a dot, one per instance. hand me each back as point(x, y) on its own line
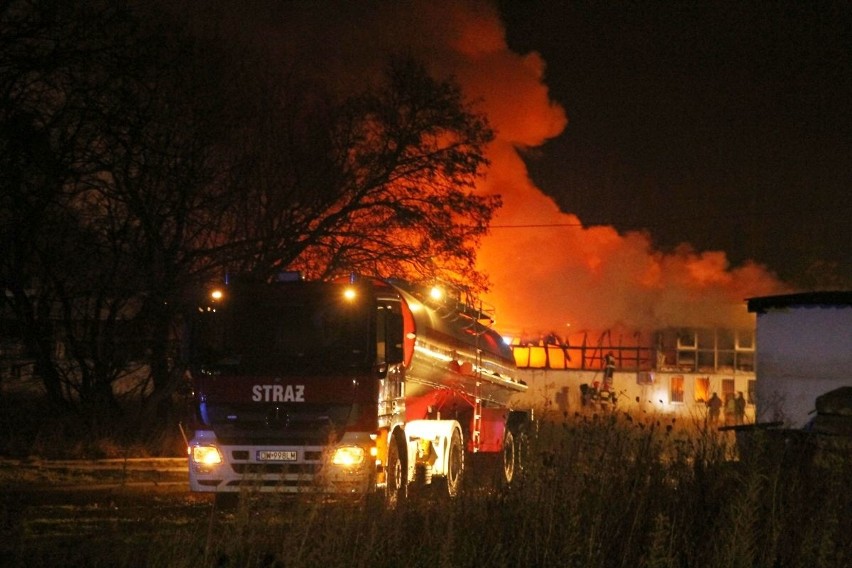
point(283, 334)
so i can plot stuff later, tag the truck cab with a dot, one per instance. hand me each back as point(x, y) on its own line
point(351, 387)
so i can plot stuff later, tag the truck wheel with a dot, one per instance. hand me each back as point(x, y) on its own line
point(397, 482)
point(455, 464)
point(513, 442)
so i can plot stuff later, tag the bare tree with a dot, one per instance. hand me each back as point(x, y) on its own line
point(111, 198)
point(141, 162)
point(50, 58)
point(380, 183)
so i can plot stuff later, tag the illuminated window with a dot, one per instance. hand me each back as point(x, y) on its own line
point(676, 390)
point(728, 388)
point(556, 357)
point(522, 356)
point(538, 357)
point(752, 388)
point(702, 389)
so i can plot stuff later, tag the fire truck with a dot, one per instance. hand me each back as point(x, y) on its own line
point(361, 387)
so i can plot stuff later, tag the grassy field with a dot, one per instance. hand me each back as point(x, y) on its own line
point(597, 491)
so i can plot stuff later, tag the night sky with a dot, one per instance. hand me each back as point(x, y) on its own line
point(723, 124)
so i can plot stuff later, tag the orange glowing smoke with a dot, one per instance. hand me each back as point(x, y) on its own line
point(547, 269)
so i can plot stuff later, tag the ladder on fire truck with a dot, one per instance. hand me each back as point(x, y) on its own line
point(482, 320)
point(476, 433)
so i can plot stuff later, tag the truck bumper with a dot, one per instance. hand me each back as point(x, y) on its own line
point(282, 469)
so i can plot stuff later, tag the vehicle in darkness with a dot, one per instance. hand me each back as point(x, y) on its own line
point(358, 387)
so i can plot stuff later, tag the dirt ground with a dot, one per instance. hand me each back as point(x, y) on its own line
point(92, 512)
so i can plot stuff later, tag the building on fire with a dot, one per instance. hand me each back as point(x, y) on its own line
point(804, 341)
point(671, 371)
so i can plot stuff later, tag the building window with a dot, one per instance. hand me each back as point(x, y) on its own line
point(745, 340)
point(706, 339)
point(645, 378)
point(686, 360)
point(702, 389)
point(728, 389)
point(686, 339)
point(725, 339)
point(707, 361)
point(676, 390)
point(728, 395)
point(752, 388)
point(745, 361)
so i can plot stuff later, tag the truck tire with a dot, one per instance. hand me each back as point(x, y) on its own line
point(510, 458)
point(455, 464)
point(514, 449)
point(396, 489)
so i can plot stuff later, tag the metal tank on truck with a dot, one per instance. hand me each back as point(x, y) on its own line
point(359, 387)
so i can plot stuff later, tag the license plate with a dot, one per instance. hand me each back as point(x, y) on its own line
point(276, 455)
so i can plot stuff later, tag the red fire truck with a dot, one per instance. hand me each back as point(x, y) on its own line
point(360, 387)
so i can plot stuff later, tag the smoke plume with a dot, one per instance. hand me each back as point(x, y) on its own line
point(549, 272)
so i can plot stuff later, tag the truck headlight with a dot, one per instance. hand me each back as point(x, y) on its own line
point(206, 455)
point(348, 456)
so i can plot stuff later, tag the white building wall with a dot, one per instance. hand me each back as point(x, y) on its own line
point(557, 392)
point(804, 351)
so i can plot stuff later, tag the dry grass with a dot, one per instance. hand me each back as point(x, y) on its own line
point(608, 491)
